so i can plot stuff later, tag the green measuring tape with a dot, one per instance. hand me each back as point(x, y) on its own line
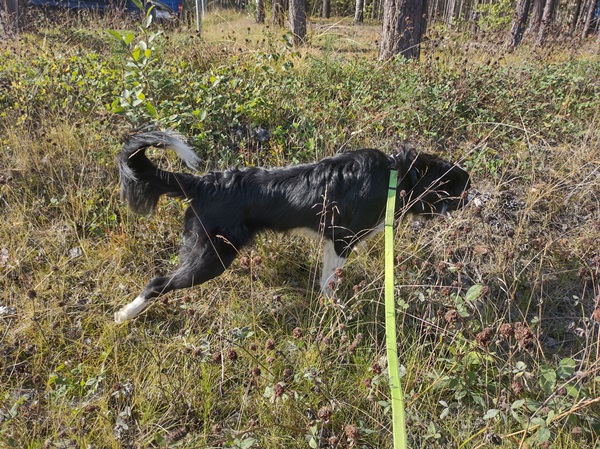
point(398, 421)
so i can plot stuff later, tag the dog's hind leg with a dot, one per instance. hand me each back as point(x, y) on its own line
point(331, 262)
point(203, 261)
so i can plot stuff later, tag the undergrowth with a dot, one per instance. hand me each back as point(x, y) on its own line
point(499, 304)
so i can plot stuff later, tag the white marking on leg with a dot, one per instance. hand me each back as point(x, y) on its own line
point(331, 262)
point(131, 310)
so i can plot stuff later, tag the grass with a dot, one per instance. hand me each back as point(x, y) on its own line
point(498, 304)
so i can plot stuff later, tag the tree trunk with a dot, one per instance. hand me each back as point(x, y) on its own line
point(575, 16)
point(11, 16)
point(326, 11)
point(459, 13)
point(547, 19)
point(581, 18)
point(519, 22)
point(298, 20)
point(536, 16)
point(379, 10)
point(449, 13)
point(432, 14)
point(587, 25)
point(404, 24)
point(260, 11)
point(359, 11)
point(474, 18)
point(278, 18)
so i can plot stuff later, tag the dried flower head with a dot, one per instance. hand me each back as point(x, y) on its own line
point(484, 337)
point(278, 389)
point(523, 335)
point(351, 432)
point(506, 330)
point(376, 368)
point(324, 413)
point(232, 355)
point(451, 316)
point(352, 347)
point(517, 386)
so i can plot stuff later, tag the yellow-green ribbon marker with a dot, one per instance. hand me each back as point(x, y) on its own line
point(398, 421)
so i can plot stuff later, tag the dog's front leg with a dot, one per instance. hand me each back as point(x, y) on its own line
point(331, 262)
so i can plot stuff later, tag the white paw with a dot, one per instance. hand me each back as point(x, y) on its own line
point(131, 310)
point(120, 316)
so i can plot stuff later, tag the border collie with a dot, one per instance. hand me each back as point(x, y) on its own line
point(341, 198)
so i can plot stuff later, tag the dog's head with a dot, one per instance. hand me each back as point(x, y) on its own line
point(432, 185)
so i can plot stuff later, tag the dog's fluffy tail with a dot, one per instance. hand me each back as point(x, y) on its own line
point(142, 182)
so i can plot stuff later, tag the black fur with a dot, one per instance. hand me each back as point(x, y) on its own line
point(342, 198)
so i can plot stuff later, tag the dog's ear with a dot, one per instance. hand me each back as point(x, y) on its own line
point(405, 156)
point(405, 161)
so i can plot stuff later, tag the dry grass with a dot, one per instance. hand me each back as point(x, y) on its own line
point(256, 358)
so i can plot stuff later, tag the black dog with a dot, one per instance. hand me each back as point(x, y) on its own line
point(340, 198)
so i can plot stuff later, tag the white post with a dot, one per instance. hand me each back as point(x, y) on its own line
point(198, 20)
